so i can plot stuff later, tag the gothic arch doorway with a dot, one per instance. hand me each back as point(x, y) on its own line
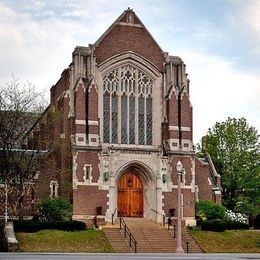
point(130, 195)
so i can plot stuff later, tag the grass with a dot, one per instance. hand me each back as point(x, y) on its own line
point(229, 241)
point(88, 241)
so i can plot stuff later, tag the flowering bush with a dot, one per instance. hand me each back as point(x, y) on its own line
point(236, 217)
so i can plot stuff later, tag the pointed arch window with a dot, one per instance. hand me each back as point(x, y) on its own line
point(127, 106)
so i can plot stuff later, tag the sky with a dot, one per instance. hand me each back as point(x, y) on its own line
point(219, 41)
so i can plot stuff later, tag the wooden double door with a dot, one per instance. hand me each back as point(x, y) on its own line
point(130, 195)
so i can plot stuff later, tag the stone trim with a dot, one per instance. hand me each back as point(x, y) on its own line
point(80, 122)
point(130, 24)
point(176, 128)
point(92, 122)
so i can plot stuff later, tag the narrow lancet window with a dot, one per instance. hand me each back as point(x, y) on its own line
point(149, 119)
point(114, 118)
point(132, 119)
point(106, 117)
point(141, 120)
point(124, 113)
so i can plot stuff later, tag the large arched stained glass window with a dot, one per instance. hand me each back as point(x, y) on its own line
point(127, 106)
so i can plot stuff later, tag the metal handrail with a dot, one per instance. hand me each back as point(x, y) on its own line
point(113, 214)
point(127, 232)
point(160, 214)
point(184, 239)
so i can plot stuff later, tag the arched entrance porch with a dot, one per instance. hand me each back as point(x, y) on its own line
point(146, 194)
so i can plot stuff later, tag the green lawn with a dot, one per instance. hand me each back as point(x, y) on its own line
point(229, 241)
point(91, 241)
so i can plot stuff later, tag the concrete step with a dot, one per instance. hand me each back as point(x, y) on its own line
point(116, 240)
point(151, 237)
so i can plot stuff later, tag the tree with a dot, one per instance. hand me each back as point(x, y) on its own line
point(234, 148)
point(20, 108)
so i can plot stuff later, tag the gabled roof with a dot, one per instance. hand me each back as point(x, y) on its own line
point(123, 19)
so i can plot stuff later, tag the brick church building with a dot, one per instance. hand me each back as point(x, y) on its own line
point(125, 120)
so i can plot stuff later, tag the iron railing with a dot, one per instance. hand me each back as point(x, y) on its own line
point(128, 235)
point(160, 214)
point(184, 239)
point(113, 215)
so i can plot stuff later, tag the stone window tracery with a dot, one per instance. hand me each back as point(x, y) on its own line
point(127, 106)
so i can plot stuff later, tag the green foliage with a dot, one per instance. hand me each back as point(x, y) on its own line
point(214, 225)
point(29, 226)
point(235, 150)
point(208, 210)
point(55, 210)
point(245, 206)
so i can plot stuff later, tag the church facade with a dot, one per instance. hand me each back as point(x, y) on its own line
point(125, 120)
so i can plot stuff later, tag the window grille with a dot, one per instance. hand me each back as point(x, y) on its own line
point(127, 98)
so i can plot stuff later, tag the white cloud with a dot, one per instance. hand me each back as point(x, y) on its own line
point(253, 16)
point(35, 50)
point(218, 91)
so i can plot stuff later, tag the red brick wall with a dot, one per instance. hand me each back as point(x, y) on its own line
point(170, 198)
point(57, 165)
point(170, 202)
point(87, 198)
point(62, 84)
point(80, 103)
point(128, 38)
point(172, 110)
point(185, 160)
point(88, 157)
point(92, 103)
point(201, 179)
point(48, 172)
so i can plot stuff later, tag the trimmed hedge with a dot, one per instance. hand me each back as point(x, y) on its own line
point(237, 225)
point(221, 225)
point(2, 238)
point(34, 226)
point(257, 222)
point(214, 225)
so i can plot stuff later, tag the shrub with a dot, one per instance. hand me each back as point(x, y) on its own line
point(237, 225)
point(207, 210)
point(54, 210)
point(34, 226)
point(214, 225)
